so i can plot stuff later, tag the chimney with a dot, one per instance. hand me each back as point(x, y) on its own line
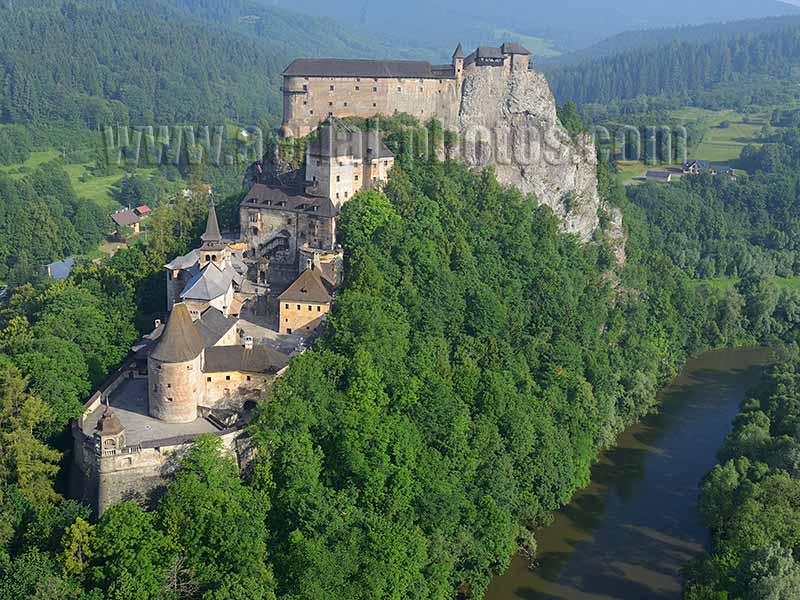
point(317, 263)
point(248, 342)
point(309, 264)
point(157, 323)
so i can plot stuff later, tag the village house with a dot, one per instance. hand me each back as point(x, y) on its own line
point(130, 218)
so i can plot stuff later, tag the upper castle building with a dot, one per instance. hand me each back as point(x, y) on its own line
point(316, 88)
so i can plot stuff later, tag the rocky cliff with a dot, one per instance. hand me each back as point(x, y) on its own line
point(509, 120)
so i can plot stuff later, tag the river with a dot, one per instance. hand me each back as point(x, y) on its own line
point(626, 536)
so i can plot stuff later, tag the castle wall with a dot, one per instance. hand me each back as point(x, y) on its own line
point(302, 317)
point(232, 389)
point(175, 389)
point(309, 100)
point(259, 225)
point(138, 473)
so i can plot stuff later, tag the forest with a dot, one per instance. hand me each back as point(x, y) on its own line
point(751, 500)
point(476, 361)
point(680, 69)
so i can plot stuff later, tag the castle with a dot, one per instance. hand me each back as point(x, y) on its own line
point(240, 308)
point(316, 88)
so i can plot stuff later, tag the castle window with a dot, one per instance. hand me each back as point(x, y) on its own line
point(358, 87)
point(356, 177)
point(298, 307)
point(170, 400)
point(338, 178)
point(310, 308)
point(319, 309)
point(345, 103)
point(169, 386)
point(345, 194)
point(358, 78)
point(421, 89)
point(227, 377)
point(311, 112)
point(305, 103)
point(287, 306)
point(208, 258)
point(337, 195)
point(375, 88)
point(208, 379)
point(305, 87)
point(248, 378)
point(330, 103)
point(374, 104)
point(399, 89)
point(332, 88)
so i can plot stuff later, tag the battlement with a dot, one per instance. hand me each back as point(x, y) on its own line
point(317, 88)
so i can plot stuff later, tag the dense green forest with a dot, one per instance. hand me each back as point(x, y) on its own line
point(751, 500)
point(95, 63)
point(685, 70)
point(42, 219)
point(475, 362)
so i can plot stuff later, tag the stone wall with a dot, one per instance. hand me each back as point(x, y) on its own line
point(138, 474)
point(309, 100)
point(303, 317)
point(232, 389)
point(304, 227)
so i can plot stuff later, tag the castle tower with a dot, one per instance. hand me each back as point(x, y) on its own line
point(458, 68)
point(110, 433)
point(175, 370)
point(213, 248)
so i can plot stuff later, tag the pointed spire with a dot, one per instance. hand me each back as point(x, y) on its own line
point(459, 53)
point(180, 342)
point(212, 234)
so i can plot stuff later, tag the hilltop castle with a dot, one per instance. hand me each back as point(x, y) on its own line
point(316, 88)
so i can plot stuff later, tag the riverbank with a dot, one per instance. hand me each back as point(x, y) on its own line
point(627, 535)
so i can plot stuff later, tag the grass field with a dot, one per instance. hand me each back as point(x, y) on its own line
point(724, 144)
point(86, 184)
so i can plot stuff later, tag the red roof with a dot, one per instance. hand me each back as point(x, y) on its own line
point(143, 209)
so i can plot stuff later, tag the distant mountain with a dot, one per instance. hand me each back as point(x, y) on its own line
point(572, 24)
point(652, 38)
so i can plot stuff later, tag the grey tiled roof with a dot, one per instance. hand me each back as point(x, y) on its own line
point(289, 198)
point(184, 262)
point(213, 325)
point(338, 67)
point(258, 359)
point(511, 48)
point(208, 284)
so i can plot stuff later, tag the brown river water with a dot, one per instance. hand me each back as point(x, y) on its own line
point(627, 535)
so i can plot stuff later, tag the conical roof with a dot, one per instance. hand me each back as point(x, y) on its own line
point(180, 342)
point(459, 53)
point(109, 423)
point(212, 233)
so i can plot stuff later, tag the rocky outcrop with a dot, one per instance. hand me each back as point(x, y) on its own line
point(509, 119)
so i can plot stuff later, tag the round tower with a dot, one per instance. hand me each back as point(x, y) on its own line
point(175, 370)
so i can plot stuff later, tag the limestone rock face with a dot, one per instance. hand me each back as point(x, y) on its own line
point(509, 119)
